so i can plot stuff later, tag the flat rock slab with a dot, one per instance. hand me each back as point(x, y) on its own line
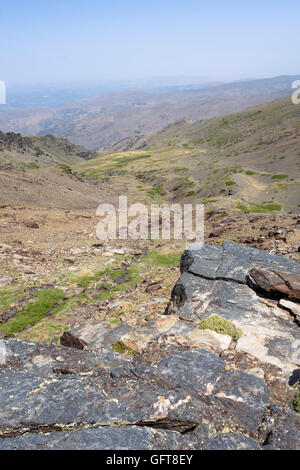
point(164, 329)
point(215, 280)
point(47, 389)
point(232, 261)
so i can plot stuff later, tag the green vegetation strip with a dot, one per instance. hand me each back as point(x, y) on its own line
point(133, 274)
point(34, 311)
point(259, 208)
point(279, 177)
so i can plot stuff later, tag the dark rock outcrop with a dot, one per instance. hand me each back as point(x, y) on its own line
point(230, 442)
point(215, 280)
point(47, 389)
point(183, 388)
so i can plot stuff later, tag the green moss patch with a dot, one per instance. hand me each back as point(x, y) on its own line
point(161, 259)
point(209, 201)
point(133, 277)
point(221, 325)
point(115, 274)
point(51, 327)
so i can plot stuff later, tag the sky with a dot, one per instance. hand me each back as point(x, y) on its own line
point(44, 41)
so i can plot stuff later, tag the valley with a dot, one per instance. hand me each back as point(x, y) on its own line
point(101, 121)
point(243, 167)
point(85, 309)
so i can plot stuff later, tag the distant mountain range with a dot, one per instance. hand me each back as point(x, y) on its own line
point(62, 94)
point(98, 122)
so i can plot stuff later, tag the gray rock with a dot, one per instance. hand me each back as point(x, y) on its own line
point(282, 429)
point(230, 441)
point(214, 280)
point(56, 390)
point(232, 262)
point(94, 336)
point(173, 394)
point(102, 438)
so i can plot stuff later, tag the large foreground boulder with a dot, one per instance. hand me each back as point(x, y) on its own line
point(227, 281)
point(51, 397)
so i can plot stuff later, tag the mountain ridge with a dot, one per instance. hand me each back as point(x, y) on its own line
point(100, 121)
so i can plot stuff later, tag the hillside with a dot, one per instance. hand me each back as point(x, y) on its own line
point(101, 121)
point(35, 172)
point(249, 160)
point(32, 152)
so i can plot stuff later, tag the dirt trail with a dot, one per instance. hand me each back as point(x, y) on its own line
point(252, 189)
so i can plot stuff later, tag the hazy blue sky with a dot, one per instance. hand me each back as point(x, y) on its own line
point(57, 41)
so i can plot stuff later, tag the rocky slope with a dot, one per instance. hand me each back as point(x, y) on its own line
point(218, 370)
point(30, 152)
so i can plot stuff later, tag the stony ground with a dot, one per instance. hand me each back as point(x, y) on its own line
point(55, 269)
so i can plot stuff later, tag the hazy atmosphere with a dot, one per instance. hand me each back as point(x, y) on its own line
point(55, 41)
